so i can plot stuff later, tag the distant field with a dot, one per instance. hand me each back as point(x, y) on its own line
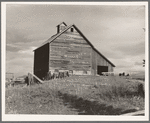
point(139, 78)
point(77, 95)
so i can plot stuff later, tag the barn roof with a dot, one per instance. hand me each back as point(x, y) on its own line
point(52, 38)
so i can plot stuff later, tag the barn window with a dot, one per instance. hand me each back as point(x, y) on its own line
point(71, 29)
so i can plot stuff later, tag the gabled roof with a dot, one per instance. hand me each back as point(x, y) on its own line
point(54, 37)
point(62, 23)
point(58, 34)
point(92, 46)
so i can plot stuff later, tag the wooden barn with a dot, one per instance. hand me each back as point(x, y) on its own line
point(69, 50)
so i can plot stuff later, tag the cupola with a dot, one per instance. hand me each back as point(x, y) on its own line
point(61, 27)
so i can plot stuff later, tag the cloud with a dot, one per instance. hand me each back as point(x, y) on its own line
point(132, 49)
point(138, 63)
point(14, 36)
point(116, 31)
point(18, 63)
point(112, 54)
point(20, 42)
point(25, 37)
point(12, 48)
point(127, 64)
point(19, 66)
point(27, 51)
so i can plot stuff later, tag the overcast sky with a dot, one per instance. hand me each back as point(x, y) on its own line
point(116, 31)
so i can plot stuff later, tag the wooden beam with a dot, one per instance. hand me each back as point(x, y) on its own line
point(36, 78)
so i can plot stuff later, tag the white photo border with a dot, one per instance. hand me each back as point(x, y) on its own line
point(19, 117)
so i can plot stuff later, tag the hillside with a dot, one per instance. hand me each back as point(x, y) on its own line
point(77, 95)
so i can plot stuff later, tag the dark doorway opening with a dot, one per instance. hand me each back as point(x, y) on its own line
point(41, 61)
point(101, 69)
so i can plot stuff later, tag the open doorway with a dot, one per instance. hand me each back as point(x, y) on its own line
point(101, 69)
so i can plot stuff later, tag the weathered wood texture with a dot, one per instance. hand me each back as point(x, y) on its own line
point(98, 60)
point(41, 61)
point(70, 52)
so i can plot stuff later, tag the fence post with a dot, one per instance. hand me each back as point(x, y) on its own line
point(29, 79)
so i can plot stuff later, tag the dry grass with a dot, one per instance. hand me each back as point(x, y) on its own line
point(37, 99)
point(77, 95)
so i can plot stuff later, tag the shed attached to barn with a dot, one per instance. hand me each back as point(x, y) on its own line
point(69, 50)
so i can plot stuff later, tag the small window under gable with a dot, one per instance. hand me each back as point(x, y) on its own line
point(71, 29)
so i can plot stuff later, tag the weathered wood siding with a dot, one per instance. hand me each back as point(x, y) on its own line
point(98, 60)
point(94, 62)
point(41, 61)
point(70, 52)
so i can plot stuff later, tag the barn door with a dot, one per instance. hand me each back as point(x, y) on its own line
point(101, 69)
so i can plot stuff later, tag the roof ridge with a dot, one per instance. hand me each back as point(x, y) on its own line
point(52, 38)
point(93, 46)
point(61, 23)
point(61, 32)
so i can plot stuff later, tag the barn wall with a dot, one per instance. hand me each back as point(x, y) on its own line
point(41, 61)
point(102, 62)
point(94, 62)
point(98, 60)
point(70, 51)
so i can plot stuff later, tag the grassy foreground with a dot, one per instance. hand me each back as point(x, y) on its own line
point(77, 95)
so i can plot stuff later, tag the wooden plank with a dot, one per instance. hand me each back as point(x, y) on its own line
point(72, 48)
point(69, 43)
point(35, 77)
point(71, 35)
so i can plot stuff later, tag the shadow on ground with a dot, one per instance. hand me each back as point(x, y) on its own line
point(86, 107)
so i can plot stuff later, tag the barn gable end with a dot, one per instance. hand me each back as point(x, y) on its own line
point(70, 50)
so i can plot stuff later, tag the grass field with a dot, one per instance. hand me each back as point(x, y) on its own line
point(77, 95)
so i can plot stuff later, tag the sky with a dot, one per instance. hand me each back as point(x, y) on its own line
point(115, 31)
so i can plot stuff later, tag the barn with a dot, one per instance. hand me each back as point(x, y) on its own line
point(69, 50)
